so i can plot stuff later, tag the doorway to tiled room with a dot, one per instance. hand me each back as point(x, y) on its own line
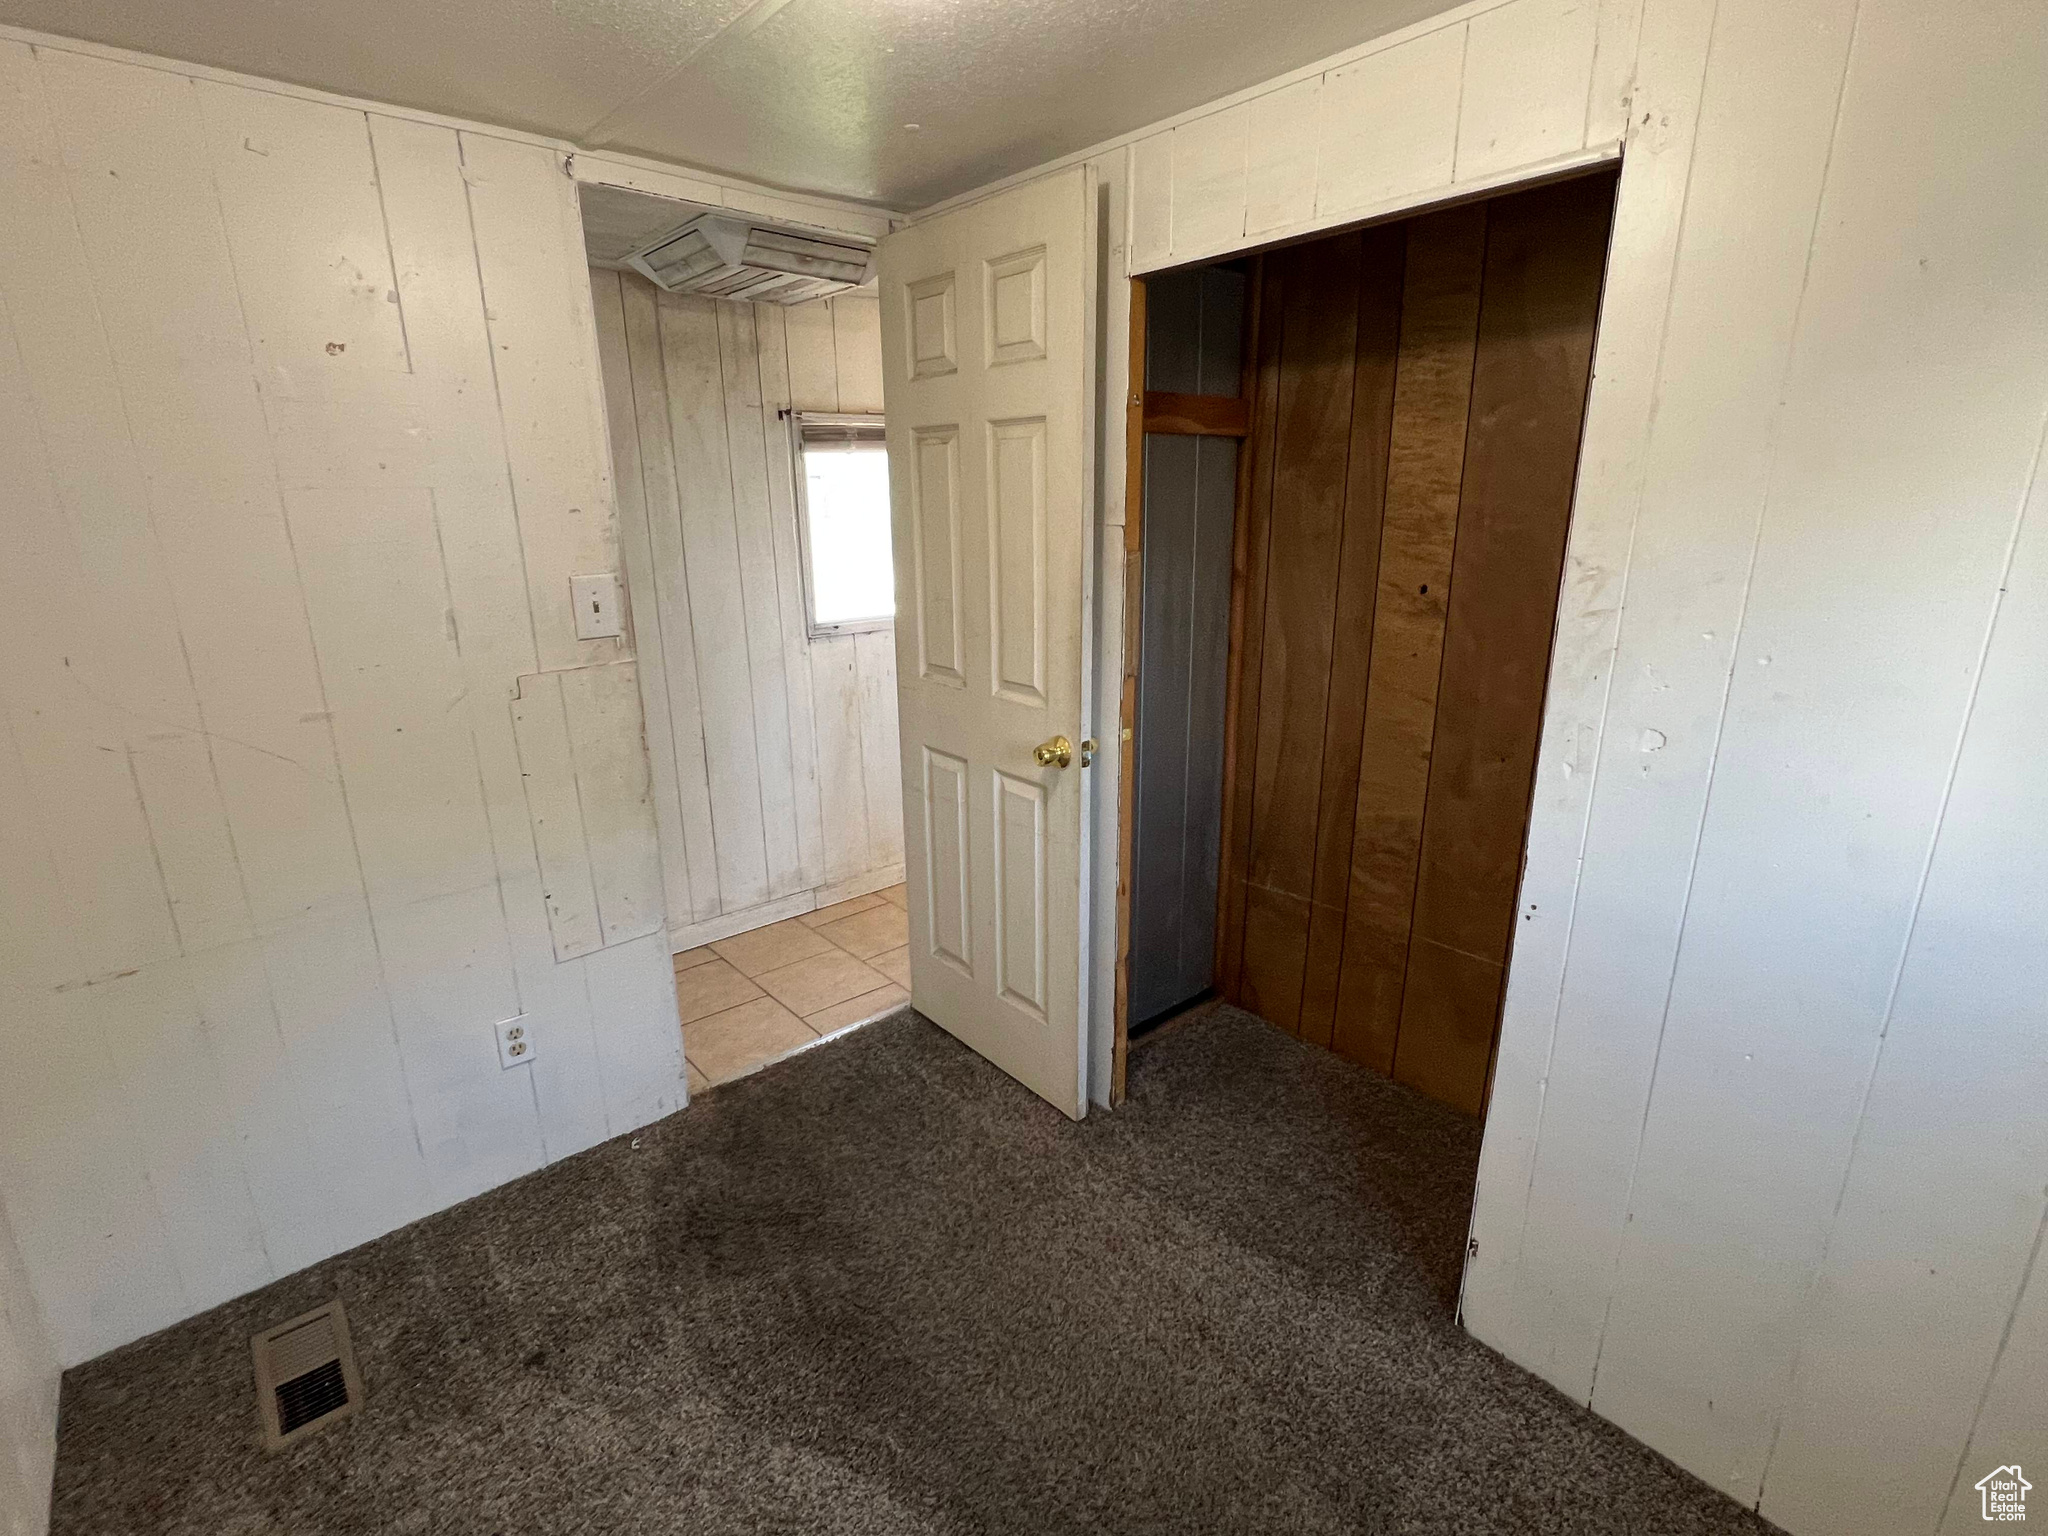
point(761, 995)
point(745, 423)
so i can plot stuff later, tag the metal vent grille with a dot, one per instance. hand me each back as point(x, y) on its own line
point(312, 1396)
point(733, 259)
point(305, 1375)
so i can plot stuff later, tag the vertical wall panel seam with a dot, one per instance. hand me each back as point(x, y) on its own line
point(198, 112)
point(390, 255)
point(1172, 157)
point(1613, 660)
point(1187, 730)
point(306, 613)
point(17, 824)
point(354, 842)
point(1728, 683)
point(320, 665)
point(1344, 537)
point(1252, 689)
point(739, 555)
point(832, 331)
point(134, 446)
point(1187, 735)
point(241, 1163)
point(597, 430)
point(561, 690)
point(156, 857)
point(655, 626)
point(57, 505)
point(106, 1052)
point(1443, 652)
point(1322, 737)
point(476, 751)
point(1458, 111)
point(57, 500)
point(1593, 84)
point(1912, 928)
point(483, 299)
point(1379, 567)
point(761, 417)
point(874, 834)
point(811, 876)
point(505, 920)
point(604, 1089)
point(2027, 1278)
point(668, 426)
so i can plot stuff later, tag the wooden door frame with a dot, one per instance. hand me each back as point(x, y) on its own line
point(1127, 703)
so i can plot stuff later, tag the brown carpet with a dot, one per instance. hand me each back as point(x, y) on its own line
point(880, 1288)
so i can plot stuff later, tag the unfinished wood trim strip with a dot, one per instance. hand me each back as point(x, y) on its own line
point(1127, 706)
point(1196, 415)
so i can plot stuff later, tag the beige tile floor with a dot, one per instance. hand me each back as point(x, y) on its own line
point(751, 998)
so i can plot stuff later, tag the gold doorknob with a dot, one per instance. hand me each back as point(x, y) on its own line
point(1056, 753)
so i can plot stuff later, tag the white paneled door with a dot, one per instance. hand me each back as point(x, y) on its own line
point(988, 349)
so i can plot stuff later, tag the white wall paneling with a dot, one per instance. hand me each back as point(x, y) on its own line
point(1695, 532)
point(1280, 158)
point(774, 755)
point(1819, 957)
point(1488, 94)
point(1527, 75)
point(291, 527)
point(1390, 127)
point(1764, 1166)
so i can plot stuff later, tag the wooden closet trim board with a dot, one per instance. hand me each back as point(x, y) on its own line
point(1197, 415)
point(1127, 704)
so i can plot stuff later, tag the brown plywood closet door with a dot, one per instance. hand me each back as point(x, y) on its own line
point(1420, 392)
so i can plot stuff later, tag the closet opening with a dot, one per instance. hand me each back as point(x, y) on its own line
point(1352, 462)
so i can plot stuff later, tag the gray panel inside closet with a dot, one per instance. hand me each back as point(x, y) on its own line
point(1194, 341)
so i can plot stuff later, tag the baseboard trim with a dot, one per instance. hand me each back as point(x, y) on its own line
point(860, 885)
point(726, 925)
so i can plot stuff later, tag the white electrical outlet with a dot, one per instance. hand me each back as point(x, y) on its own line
point(597, 605)
point(515, 1042)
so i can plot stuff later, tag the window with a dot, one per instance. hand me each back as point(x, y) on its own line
point(842, 492)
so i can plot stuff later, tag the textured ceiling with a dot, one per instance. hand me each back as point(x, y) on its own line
point(805, 94)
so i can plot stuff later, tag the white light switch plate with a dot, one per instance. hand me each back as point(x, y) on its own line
point(597, 605)
point(515, 1042)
